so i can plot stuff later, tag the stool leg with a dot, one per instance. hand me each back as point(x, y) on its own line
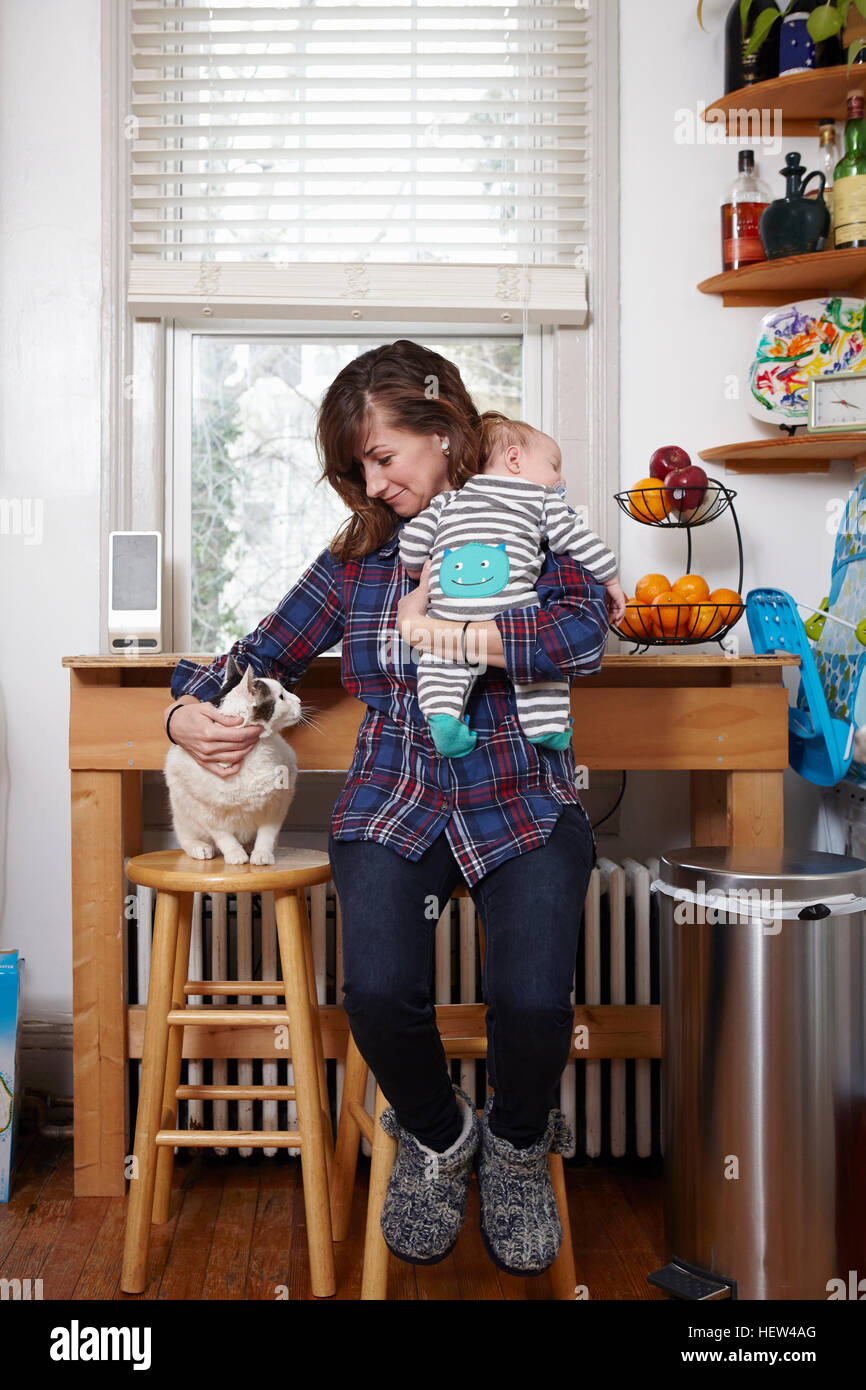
point(374, 1282)
point(165, 1152)
point(562, 1272)
point(301, 1029)
point(140, 1202)
point(348, 1141)
point(322, 1075)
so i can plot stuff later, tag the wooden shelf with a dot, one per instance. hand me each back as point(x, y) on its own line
point(807, 453)
point(814, 275)
point(804, 98)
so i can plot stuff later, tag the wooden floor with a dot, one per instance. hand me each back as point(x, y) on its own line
point(237, 1231)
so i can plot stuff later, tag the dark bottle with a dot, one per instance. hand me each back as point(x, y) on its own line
point(795, 224)
point(742, 206)
point(798, 51)
point(849, 180)
point(758, 67)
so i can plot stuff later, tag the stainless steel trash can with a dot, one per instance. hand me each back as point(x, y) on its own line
point(763, 994)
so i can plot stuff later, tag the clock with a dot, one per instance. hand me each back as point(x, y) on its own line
point(837, 402)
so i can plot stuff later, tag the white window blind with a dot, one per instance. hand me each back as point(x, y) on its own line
point(378, 134)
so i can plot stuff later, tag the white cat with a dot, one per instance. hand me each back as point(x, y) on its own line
point(249, 807)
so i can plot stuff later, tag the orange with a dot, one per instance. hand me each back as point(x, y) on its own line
point(691, 588)
point(703, 620)
point(646, 589)
point(671, 619)
point(648, 501)
point(634, 623)
point(731, 605)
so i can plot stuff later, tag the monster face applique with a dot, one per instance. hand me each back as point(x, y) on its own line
point(474, 570)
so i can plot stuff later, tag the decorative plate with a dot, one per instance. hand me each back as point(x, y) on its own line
point(816, 337)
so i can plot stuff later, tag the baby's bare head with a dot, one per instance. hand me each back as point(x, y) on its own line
point(512, 448)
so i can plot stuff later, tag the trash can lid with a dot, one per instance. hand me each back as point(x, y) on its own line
point(797, 875)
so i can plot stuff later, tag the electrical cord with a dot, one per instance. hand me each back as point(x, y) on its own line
point(597, 823)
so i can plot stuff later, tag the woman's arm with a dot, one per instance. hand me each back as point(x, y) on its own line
point(308, 620)
point(441, 635)
point(564, 637)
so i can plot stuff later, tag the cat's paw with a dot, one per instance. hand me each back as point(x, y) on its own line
point(236, 856)
point(198, 850)
point(262, 856)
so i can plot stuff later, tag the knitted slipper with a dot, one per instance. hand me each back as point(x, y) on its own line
point(520, 1224)
point(425, 1204)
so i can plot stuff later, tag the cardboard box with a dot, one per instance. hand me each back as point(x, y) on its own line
point(10, 1083)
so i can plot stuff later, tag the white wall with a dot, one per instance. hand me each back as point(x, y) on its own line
point(50, 430)
point(679, 349)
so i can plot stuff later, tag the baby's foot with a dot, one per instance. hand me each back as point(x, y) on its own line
point(559, 741)
point(451, 736)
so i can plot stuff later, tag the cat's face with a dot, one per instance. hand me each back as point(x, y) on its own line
point(258, 700)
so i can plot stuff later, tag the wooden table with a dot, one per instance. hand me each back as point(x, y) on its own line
point(722, 719)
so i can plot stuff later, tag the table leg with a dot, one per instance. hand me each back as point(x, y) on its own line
point(737, 808)
point(98, 985)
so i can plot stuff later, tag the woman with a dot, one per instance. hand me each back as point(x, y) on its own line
point(395, 428)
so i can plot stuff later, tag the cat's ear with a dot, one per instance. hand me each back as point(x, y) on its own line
point(231, 678)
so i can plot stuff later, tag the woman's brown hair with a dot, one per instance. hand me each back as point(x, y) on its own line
point(420, 391)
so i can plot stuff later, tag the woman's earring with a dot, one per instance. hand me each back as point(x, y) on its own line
point(445, 447)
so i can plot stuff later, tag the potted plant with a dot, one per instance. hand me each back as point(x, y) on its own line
point(825, 22)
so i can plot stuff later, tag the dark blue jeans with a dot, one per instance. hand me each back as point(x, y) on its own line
point(530, 908)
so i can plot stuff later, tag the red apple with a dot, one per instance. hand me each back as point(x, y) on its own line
point(685, 488)
point(670, 456)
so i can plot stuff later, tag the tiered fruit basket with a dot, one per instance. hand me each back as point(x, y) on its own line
point(681, 624)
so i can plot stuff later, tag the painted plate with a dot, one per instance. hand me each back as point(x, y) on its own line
point(816, 337)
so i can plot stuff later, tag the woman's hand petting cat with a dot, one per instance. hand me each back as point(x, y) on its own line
point(212, 738)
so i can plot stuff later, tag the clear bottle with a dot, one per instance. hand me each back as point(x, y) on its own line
point(849, 179)
point(828, 158)
point(742, 206)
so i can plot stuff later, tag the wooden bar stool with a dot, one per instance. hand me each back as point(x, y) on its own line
point(464, 1035)
point(176, 878)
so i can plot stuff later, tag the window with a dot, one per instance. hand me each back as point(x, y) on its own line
point(249, 512)
point(321, 175)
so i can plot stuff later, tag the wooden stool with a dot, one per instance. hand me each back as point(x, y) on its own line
point(463, 1035)
point(177, 878)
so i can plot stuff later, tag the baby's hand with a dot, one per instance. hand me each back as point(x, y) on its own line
point(614, 600)
point(413, 574)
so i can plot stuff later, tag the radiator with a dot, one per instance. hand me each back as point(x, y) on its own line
point(613, 1106)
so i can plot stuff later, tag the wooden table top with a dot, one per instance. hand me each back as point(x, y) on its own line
point(650, 658)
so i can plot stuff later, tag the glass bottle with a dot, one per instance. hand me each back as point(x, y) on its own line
point(828, 158)
point(742, 206)
point(741, 71)
point(849, 179)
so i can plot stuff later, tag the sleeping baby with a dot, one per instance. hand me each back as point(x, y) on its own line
point(484, 543)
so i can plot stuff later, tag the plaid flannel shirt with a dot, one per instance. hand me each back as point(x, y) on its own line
point(500, 800)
